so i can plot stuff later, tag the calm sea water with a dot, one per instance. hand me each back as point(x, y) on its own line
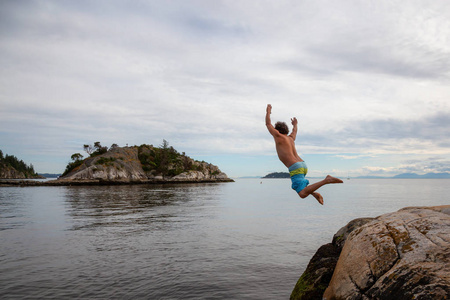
point(251, 239)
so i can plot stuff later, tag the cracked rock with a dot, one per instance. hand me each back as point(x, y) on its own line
point(401, 255)
point(317, 275)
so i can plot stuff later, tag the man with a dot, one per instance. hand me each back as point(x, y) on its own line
point(287, 153)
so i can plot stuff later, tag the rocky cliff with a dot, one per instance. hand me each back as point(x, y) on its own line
point(142, 163)
point(401, 255)
point(9, 172)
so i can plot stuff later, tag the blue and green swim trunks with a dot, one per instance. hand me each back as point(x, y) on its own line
point(298, 172)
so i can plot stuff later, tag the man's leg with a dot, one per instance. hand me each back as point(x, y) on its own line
point(318, 197)
point(311, 189)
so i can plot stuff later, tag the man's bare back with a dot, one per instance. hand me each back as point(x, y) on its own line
point(285, 146)
point(286, 151)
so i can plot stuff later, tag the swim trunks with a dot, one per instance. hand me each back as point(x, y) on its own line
point(298, 172)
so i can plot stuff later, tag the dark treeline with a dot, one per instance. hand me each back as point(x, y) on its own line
point(14, 162)
point(278, 175)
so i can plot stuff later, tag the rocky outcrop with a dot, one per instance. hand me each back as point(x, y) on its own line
point(318, 273)
point(209, 172)
point(119, 164)
point(7, 172)
point(125, 165)
point(11, 173)
point(401, 255)
point(278, 175)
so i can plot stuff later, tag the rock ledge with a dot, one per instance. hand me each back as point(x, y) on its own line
point(400, 255)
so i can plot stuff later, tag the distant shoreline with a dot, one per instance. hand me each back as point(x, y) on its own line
point(280, 175)
point(362, 177)
point(345, 178)
point(31, 183)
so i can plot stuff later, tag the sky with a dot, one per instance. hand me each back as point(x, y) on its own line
point(368, 81)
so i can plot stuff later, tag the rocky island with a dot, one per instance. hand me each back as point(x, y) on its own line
point(135, 164)
point(400, 255)
point(13, 168)
point(278, 175)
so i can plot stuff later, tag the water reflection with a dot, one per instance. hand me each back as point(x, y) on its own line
point(19, 206)
point(11, 209)
point(243, 240)
point(131, 208)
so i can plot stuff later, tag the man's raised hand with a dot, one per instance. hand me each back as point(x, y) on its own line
point(294, 121)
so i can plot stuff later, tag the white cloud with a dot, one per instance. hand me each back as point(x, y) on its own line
point(362, 77)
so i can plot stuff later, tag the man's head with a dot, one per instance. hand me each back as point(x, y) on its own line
point(281, 127)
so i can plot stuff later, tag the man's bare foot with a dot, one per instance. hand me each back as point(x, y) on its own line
point(318, 197)
point(331, 179)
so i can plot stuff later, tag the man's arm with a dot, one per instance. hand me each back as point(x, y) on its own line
point(269, 125)
point(294, 129)
point(268, 112)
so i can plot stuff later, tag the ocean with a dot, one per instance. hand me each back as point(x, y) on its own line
point(250, 239)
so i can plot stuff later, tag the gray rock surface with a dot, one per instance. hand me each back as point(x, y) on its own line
point(318, 273)
point(400, 255)
point(9, 172)
point(115, 165)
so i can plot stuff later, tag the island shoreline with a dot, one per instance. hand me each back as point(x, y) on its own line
point(100, 182)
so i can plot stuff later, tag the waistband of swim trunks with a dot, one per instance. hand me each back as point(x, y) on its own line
point(298, 168)
point(297, 165)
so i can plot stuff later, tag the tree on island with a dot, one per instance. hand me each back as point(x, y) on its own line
point(97, 149)
point(77, 160)
point(10, 161)
point(88, 148)
point(163, 160)
point(76, 157)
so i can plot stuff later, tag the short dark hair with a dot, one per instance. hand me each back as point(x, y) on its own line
point(281, 127)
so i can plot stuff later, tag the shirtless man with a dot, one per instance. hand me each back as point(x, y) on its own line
point(287, 153)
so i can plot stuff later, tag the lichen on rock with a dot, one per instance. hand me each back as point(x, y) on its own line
point(319, 271)
point(400, 255)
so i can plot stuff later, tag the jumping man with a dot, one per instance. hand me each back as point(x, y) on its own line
point(285, 145)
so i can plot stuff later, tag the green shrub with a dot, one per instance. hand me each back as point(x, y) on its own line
point(105, 161)
point(71, 166)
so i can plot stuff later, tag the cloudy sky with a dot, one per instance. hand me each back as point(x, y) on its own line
point(369, 81)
